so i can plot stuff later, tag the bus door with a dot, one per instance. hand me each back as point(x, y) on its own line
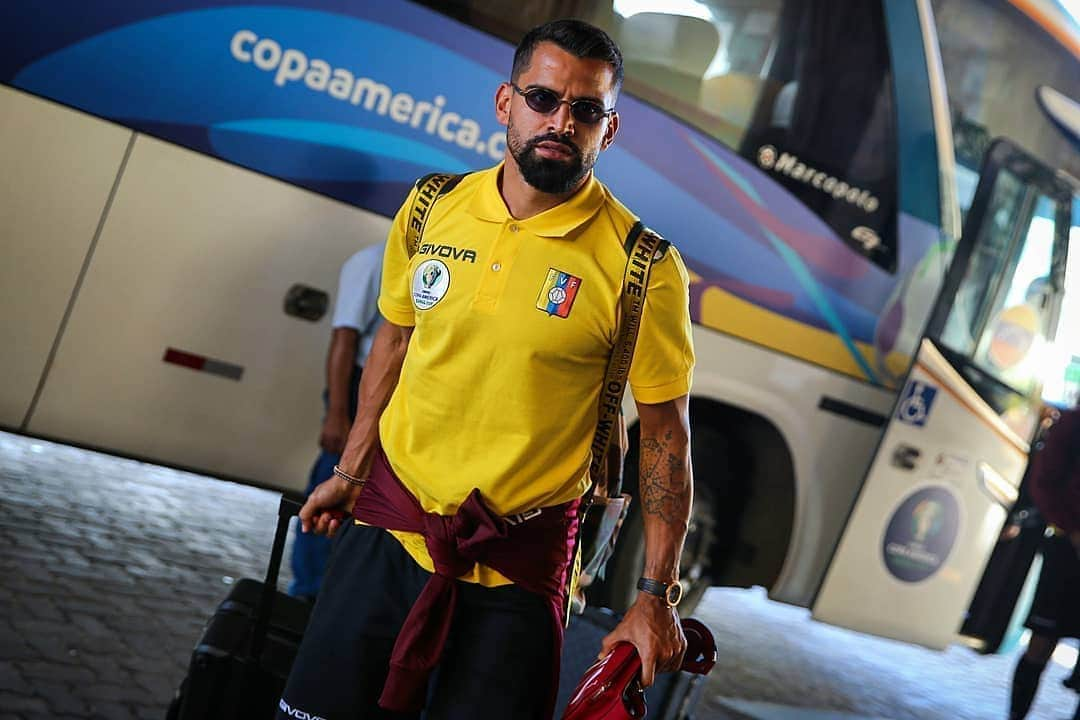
point(951, 458)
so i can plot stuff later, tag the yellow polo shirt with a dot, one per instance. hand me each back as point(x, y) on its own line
point(514, 322)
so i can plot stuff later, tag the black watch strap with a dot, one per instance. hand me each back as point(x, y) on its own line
point(670, 592)
point(653, 587)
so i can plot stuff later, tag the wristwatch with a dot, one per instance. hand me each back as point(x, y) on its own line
point(670, 592)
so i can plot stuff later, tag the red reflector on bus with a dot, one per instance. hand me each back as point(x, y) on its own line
point(198, 362)
point(178, 357)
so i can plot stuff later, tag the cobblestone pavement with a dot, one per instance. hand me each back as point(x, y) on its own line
point(780, 659)
point(110, 568)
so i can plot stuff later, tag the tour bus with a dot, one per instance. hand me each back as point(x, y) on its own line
point(874, 201)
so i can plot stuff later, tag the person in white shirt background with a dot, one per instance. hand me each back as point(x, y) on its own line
point(356, 318)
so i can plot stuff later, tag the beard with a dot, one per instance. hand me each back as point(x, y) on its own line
point(549, 175)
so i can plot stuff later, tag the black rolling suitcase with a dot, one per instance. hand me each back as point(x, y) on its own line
point(674, 696)
point(238, 669)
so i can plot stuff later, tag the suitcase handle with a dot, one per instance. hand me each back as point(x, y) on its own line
point(286, 509)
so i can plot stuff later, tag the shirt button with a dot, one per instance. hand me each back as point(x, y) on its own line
point(513, 228)
point(496, 267)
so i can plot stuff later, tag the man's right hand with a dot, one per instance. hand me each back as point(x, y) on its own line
point(335, 431)
point(328, 505)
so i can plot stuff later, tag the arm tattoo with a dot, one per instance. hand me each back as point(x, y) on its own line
point(661, 486)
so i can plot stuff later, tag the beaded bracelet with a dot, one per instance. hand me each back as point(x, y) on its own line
point(351, 479)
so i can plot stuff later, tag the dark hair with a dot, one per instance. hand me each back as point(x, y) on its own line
point(576, 37)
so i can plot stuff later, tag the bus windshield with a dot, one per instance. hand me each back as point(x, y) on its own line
point(995, 58)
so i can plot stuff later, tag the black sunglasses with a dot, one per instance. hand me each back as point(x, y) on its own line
point(545, 102)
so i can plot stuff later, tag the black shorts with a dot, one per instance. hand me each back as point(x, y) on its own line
point(1056, 610)
point(497, 661)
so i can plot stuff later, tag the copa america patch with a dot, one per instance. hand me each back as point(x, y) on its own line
point(430, 281)
point(558, 293)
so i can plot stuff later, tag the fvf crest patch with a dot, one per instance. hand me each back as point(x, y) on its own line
point(558, 293)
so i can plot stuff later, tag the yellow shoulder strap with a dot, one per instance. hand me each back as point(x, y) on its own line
point(643, 247)
point(428, 189)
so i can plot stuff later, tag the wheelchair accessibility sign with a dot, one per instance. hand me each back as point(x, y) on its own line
point(914, 407)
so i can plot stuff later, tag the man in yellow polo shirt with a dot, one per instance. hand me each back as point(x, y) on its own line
point(478, 407)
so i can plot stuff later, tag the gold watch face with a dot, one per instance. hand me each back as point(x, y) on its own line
point(673, 594)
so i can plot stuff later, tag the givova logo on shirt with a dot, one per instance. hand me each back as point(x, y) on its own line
point(430, 281)
point(297, 712)
point(558, 293)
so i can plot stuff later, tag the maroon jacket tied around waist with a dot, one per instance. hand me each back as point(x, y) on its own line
point(535, 554)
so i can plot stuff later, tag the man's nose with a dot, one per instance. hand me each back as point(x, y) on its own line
point(561, 121)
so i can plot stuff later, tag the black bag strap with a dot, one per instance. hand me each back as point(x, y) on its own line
point(428, 189)
point(286, 509)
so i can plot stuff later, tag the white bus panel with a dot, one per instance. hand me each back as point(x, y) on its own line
point(59, 167)
point(197, 255)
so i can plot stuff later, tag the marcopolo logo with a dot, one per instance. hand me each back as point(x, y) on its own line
point(789, 165)
point(921, 534)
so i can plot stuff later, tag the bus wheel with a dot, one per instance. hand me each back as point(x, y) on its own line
point(618, 589)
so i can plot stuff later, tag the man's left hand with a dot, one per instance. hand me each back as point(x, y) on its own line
point(654, 629)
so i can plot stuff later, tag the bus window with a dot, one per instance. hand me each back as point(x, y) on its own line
point(801, 88)
point(827, 106)
point(998, 329)
point(1000, 317)
point(994, 58)
point(1061, 377)
point(990, 255)
point(1015, 326)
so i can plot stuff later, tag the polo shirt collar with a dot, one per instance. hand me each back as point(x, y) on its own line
point(487, 204)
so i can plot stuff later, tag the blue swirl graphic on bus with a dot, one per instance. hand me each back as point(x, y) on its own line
point(353, 153)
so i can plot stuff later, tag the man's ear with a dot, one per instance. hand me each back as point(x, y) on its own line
point(503, 96)
point(610, 131)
